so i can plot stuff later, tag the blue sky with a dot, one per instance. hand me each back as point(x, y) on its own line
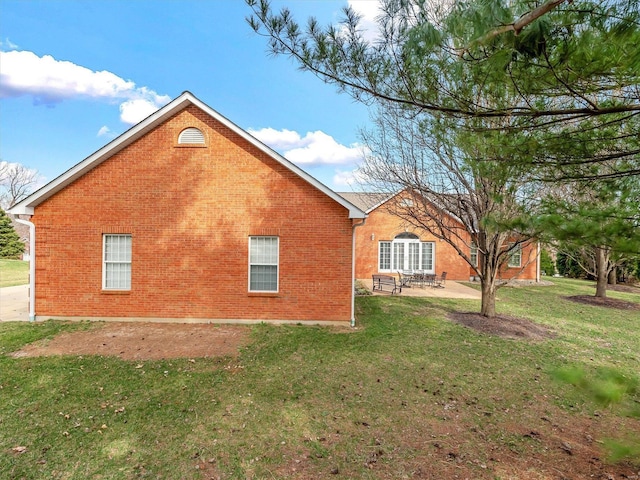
point(76, 74)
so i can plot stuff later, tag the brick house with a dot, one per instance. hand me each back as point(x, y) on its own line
point(187, 217)
point(385, 244)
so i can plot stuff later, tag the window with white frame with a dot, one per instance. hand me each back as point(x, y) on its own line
point(515, 256)
point(384, 256)
point(473, 254)
point(427, 256)
point(398, 258)
point(405, 252)
point(116, 270)
point(263, 264)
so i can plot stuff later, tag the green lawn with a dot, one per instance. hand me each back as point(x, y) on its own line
point(13, 272)
point(409, 394)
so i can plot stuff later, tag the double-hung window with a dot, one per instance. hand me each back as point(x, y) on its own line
point(116, 267)
point(263, 264)
point(473, 254)
point(515, 257)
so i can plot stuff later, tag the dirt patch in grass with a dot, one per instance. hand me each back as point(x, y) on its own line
point(145, 341)
point(505, 326)
point(604, 302)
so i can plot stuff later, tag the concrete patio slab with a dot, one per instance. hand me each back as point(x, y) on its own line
point(451, 290)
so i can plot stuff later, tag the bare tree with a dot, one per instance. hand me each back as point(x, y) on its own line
point(460, 190)
point(16, 182)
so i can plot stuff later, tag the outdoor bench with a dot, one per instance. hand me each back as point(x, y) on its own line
point(380, 282)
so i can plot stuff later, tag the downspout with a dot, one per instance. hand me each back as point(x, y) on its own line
point(32, 267)
point(538, 264)
point(353, 271)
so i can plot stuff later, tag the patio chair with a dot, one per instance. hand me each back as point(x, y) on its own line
point(405, 278)
point(419, 278)
point(438, 282)
point(429, 279)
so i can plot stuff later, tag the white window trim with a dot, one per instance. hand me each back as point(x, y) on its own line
point(105, 262)
point(392, 255)
point(473, 253)
point(516, 253)
point(277, 264)
point(387, 242)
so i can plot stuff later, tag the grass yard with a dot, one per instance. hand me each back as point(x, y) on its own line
point(409, 394)
point(13, 272)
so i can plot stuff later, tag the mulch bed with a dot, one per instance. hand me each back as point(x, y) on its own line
point(505, 326)
point(624, 287)
point(604, 302)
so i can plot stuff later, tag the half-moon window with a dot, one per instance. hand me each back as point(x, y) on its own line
point(191, 136)
point(407, 235)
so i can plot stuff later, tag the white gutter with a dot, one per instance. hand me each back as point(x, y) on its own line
point(353, 271)
point(32, 267)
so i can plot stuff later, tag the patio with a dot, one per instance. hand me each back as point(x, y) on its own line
point(451, 290)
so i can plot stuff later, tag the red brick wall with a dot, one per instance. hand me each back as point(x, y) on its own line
point(384, 226)
point(529, 265)
point(190, 211)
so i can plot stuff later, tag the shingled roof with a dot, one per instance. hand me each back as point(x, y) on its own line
point(366, 201)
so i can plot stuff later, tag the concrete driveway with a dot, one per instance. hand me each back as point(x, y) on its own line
point(14, 303)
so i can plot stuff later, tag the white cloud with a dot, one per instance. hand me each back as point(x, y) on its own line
point(369, 10)
point(132, 111)
point(8, 44)
point(280, 140)
point(50, 81)
point(315, 148)
point(103, 131)
point(348, 179)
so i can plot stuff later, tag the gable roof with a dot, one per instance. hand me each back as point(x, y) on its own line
point(27, 205)
point(367, 201)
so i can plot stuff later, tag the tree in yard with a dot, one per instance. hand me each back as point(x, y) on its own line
point(459, 189)
point(572, 69)
point(532, 91)
point(10, 244)
point(16, 182)
point(597, 225)
point(547, 264)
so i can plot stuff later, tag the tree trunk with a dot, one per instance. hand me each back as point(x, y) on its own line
point(602, 261)
point(613, 276)
point(488, 308)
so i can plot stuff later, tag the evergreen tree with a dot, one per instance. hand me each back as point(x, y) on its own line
point(570, 71)
point(546, 263)
point(10, 244)
point(533, 91)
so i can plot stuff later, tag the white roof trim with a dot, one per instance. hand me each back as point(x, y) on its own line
point(27, 205)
